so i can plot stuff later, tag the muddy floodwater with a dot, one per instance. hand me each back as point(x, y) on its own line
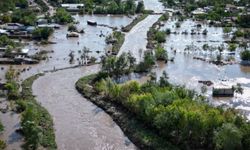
point(11, 123)
point(59, 52)
point(79, 124)
point(136, 40)
point(187, 71)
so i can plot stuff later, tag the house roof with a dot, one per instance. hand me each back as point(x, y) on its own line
point(72, 5)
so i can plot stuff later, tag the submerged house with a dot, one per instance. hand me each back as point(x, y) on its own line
point(72, 7)
point(13, 26)
point(41, 21)
point(199, 11)
point(231, 8)
point(4, 32)
point(222, 90)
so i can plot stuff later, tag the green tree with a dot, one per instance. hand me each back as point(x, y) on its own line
point(160, 36)
point(245, 55)
point(161, 53)
point(42, 33)
point(228, 137)
point(140, 7)
point(62, 16)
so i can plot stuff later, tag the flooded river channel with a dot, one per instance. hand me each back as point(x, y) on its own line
point(79, 124)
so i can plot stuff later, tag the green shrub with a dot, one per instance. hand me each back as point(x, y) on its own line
point(245, 55)
point(62, 16)
point(42, 33)
point(160, 36)
point(161, 53)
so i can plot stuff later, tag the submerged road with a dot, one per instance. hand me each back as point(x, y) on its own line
point(79, 124)
point(136, 40)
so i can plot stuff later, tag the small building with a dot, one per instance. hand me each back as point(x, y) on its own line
point(198, 11)
point(4, 32)
point(3, 49)
point(53, 26)
point(72, 7)
point(222, 90)
point(231, 8)
point(41, 21)
point(24, 51)
point(208, 8)
point(30, 29)
point(13, 26)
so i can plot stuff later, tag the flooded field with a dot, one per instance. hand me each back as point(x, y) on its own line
point(187, 71)
point(79, 124)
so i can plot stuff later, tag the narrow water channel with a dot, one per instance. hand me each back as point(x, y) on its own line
point(79, 124)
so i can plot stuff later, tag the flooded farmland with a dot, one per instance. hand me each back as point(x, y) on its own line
point(187, 71)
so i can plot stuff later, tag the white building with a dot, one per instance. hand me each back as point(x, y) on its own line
point(72, 7)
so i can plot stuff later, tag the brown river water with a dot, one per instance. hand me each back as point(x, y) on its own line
point(187, 71)
point(81, 125)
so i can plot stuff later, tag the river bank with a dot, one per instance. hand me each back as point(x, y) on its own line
point(143, 136)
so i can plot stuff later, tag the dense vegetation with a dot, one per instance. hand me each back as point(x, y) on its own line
point(117, 66)
point(216, 12)
point(245, 55)
point(147, 63)
point(244, 20)
point(5, 41)
point(7, 5)
point(62, 16)
point(42, 33)
point(177, 115)
point(26, 17)
point(44, 7)
point(36, 123)
point(161, 53)
point(107, 6)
